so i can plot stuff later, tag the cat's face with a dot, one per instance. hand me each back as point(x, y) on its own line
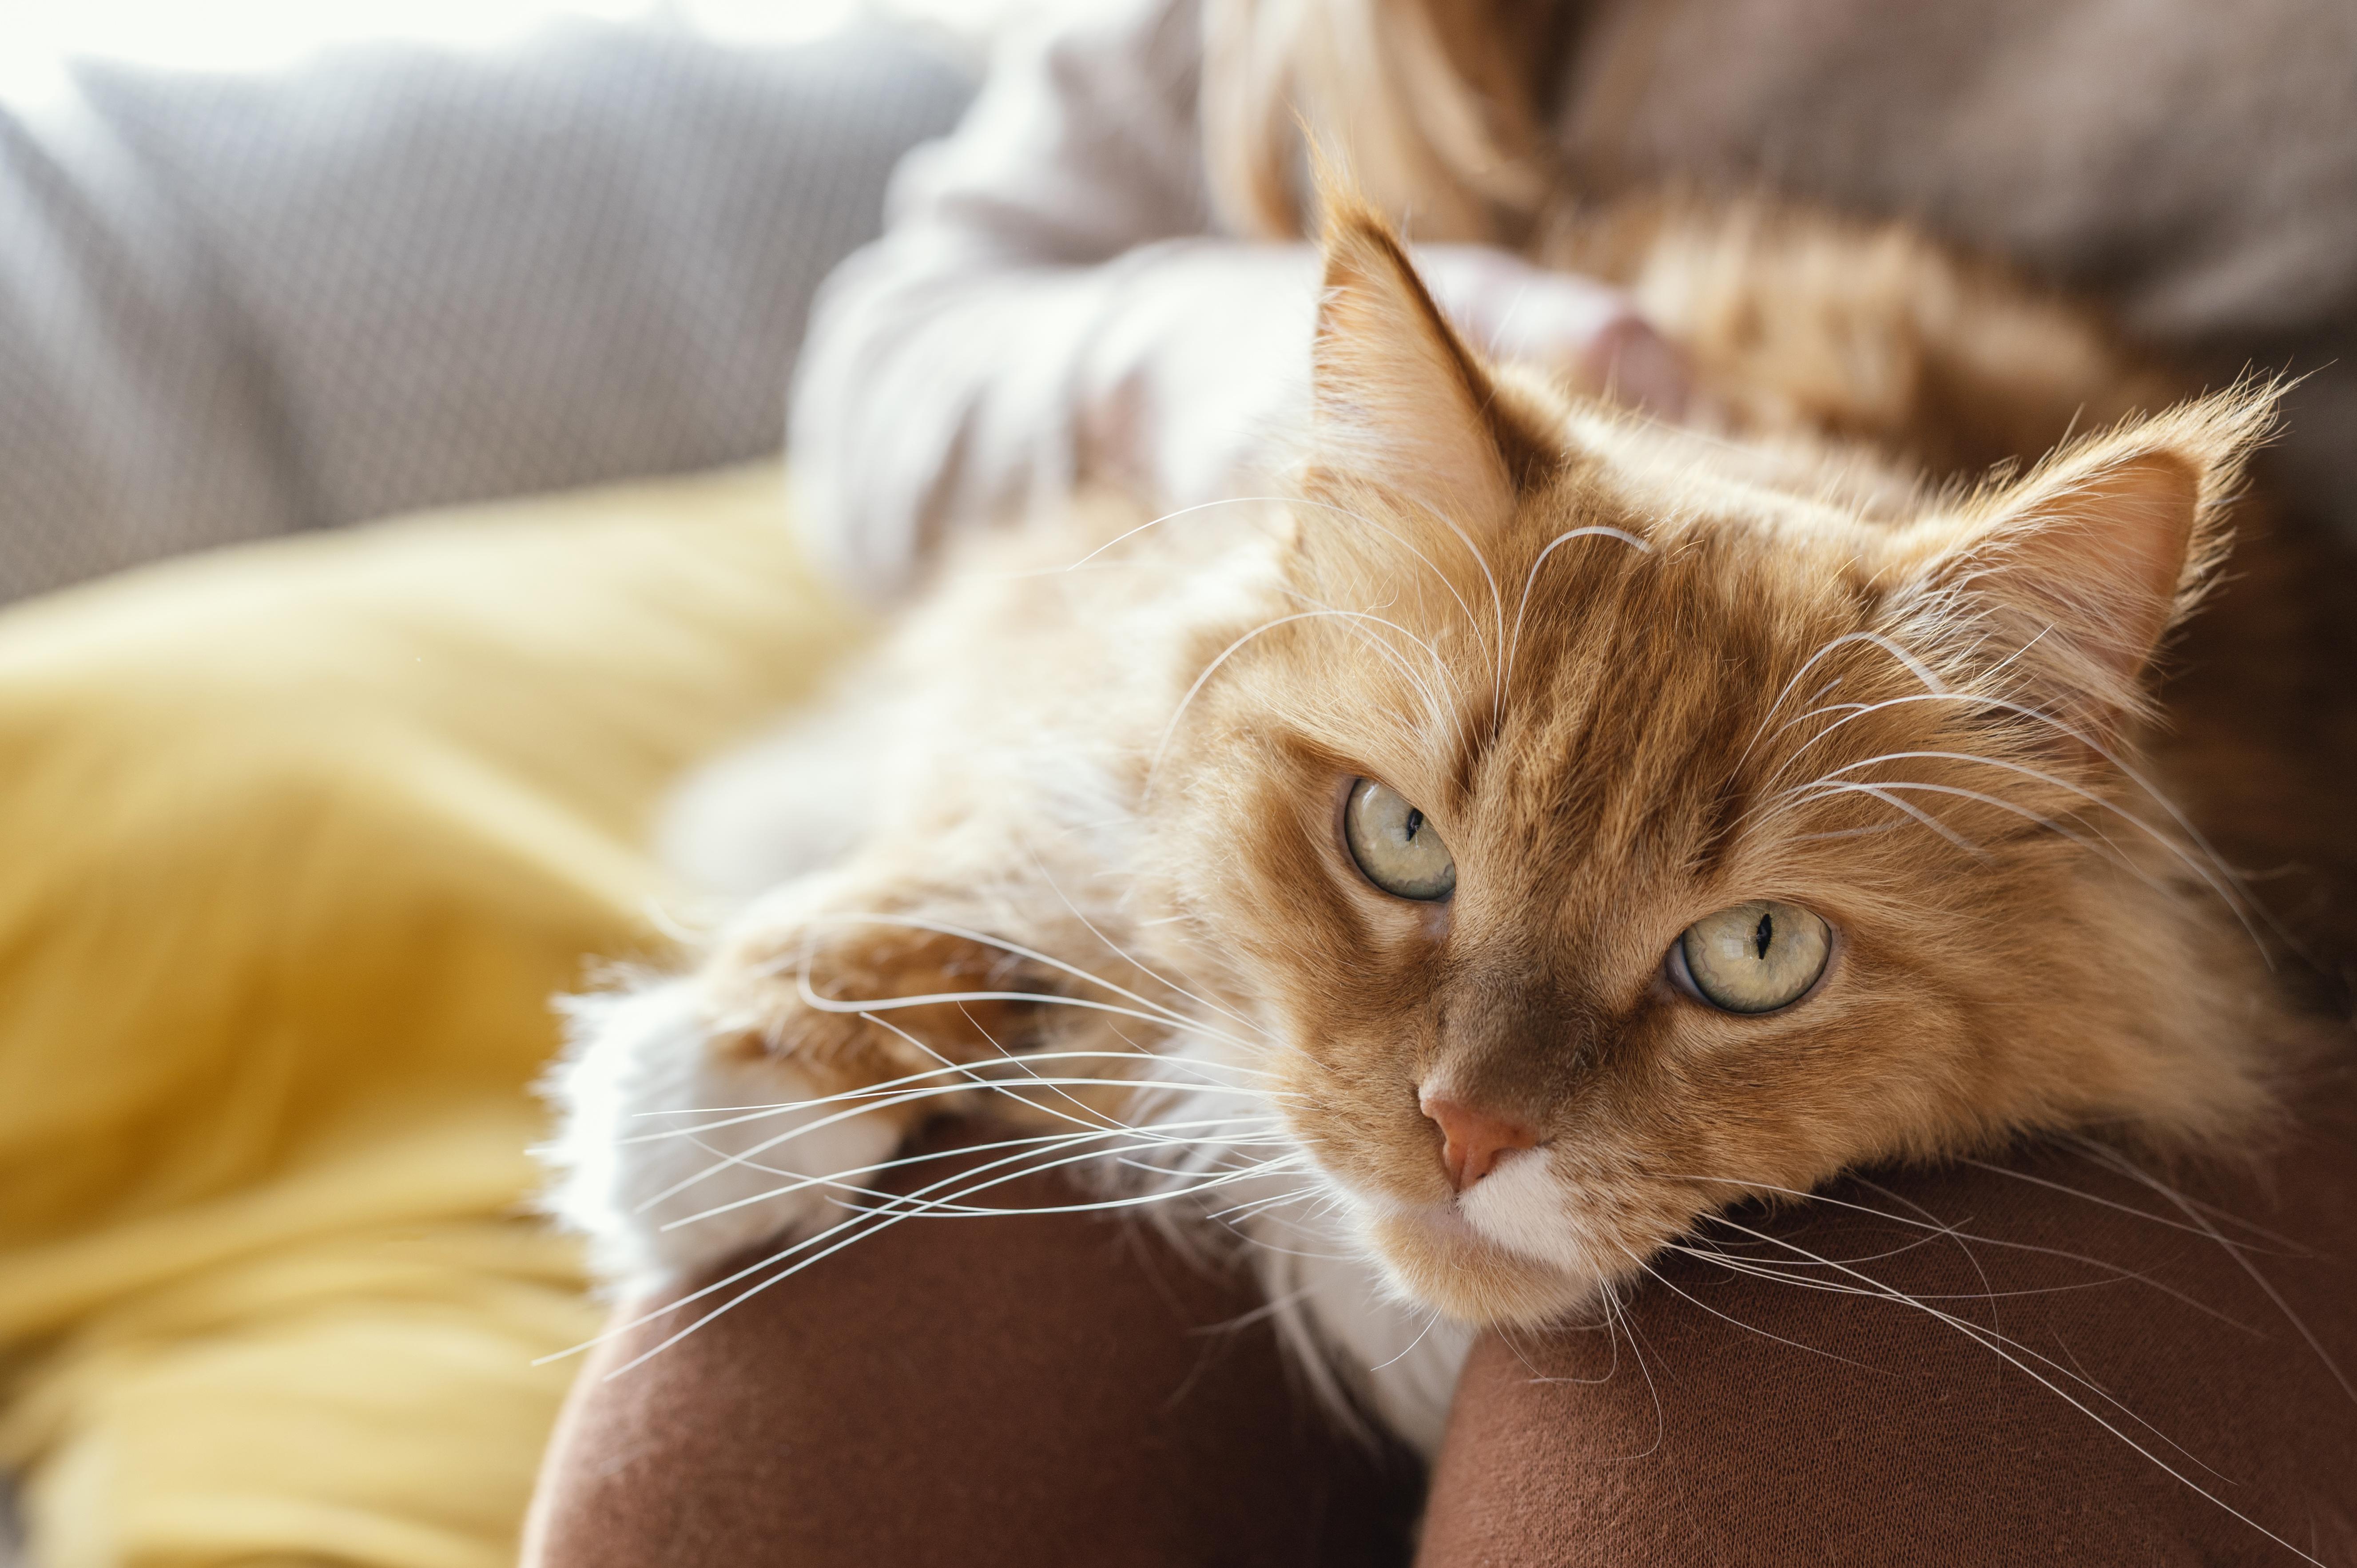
point(1606, 838)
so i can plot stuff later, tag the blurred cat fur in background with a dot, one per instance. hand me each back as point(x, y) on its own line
point(1548, 830)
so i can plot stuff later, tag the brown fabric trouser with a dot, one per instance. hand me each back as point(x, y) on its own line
point(2054, 1362)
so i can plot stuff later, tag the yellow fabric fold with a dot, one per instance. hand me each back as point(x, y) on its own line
point(297, 843)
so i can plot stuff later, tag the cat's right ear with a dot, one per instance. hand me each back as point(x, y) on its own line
point(1398, 401)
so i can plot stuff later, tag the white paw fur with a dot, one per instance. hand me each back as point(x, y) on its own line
point(666, 1158)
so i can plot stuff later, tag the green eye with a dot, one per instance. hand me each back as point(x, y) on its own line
point(1756, 957)
point(1394, 845)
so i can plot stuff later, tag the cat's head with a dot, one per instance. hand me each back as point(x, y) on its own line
point(1611, 824)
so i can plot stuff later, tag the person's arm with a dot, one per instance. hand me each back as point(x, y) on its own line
point(991, 343)
point(1051, 303)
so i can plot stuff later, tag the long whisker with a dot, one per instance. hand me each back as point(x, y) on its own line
point(1429, 565)
point(1987, 1338)
point(1438, 711)
point(1964, 1246)
point(842, 1181)
point(2021, 1359)
point(1130, 959)
point(1163, 747)
point(2228, 893)
point(743, 1113)
point(2068, 1190)
point(2127, 1167)
point(1882, 792)
point(1159, 1137)
point(2235, 905)
point(2127, 770)
point(1932, 684)
point(910, 1097)
point(811, 997)
point(1942, 1228)
point(863, 1223)
point(1614, 1307)
point(1446, 581)
point(1431, 1320)
point(1253, 1209)
point(1665, 1282)
point(1804, 795)
point(1522, 606)
point(1173, 516)
point(984, 938)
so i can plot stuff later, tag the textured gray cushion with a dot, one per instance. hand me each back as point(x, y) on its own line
point(232, 306)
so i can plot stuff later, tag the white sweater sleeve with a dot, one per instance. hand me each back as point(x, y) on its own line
point(1047, 304)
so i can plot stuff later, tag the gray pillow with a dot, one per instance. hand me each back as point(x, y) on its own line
point(232, 306)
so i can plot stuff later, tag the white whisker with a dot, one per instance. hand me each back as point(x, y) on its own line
point(1127, 957)
point(1163, 746)
point(2021, 1358)
point(1932, 684)
point(1522, 606)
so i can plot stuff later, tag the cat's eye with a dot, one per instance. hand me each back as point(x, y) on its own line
point(1756, 957)
point(1396, 845)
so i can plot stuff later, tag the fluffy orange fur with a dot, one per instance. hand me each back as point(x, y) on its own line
point(1880, 640)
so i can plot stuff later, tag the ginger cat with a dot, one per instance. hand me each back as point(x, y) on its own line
point(1549, 828)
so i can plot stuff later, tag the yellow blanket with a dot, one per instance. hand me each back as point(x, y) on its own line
point(298, 841)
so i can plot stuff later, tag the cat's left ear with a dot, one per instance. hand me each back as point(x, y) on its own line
point(1397, 399)
point(2071, 576)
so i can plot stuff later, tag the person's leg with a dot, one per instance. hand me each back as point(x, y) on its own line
point(2002, 1371)
point(1034, 1390)
point(1969, 1367)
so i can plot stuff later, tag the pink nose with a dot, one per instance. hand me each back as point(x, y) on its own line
point(1472, 1141)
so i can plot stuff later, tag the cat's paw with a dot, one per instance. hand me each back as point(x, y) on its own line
point(683, 1143)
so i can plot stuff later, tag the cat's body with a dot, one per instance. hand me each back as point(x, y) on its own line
point(1109, 847)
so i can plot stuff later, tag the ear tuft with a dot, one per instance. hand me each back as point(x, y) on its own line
point(2082, 567)
point(1397, 399)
